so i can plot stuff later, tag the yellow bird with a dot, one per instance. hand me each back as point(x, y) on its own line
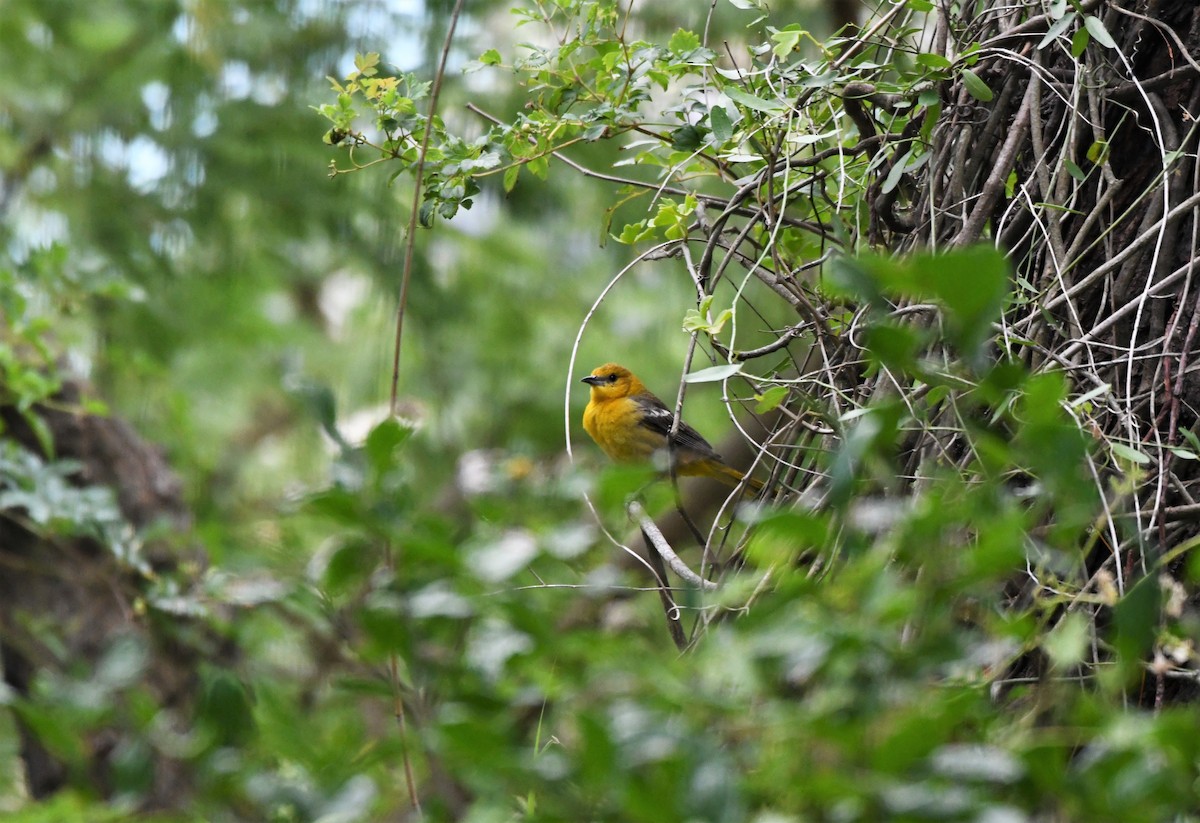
point(631, 425)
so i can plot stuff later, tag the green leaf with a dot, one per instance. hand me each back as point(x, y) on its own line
point(895, 172)
point(1079, 42)
point(540, 166)
point(781, 535)
point(336, 503)
point(382, 442)
point(933, 61)
point(894, 345)
point(1129, 453)
point(1067, 643)
point(224, 709)
point(673, 218)
point(683, 42)
point(348, 567)
point(1135, 619)
point(854, 277)
point(491, 57)
point(1074, 170)
point(687, 138)
point(510, 177)
point(1060, 25)
point(721, 125)
point(820, 81)
point(99, 33)
point(787, 40)
point(320, 402)
point(976, 87)
point(485, 161)
point(1100, 34)
point(770, 399)
point(713, 374)
point(751, 102)
point(635, 232)
point(366, 63)
point(970, 284)
point(426, 213)
point(697, 319)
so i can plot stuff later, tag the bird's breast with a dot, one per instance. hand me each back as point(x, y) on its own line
point(616, 427)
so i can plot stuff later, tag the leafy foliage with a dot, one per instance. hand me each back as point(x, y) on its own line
point(806, 161)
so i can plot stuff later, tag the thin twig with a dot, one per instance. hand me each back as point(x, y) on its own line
point(401, 305)
point(414, 216)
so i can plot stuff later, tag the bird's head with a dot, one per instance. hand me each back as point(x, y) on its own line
point(611, 381)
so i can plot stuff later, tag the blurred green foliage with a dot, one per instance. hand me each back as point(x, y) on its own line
point(173, 233)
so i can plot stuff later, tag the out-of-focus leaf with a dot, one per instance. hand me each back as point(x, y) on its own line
point(1067, 643)
point(1136, 619)
point(713, 374)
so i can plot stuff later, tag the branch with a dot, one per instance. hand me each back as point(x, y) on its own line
point(660, 545)
point(996, 180)
point(611, 178)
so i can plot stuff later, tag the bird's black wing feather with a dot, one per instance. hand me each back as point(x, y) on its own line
point(658, 418)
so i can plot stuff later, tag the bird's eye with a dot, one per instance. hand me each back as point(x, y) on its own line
point(612, 378)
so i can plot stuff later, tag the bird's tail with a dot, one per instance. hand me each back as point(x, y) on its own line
point(733, 477)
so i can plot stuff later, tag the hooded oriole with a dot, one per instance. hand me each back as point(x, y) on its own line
point(631, 425)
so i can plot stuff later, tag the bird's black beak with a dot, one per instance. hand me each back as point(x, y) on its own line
point(591, 380)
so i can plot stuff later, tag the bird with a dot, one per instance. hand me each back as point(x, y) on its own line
point(631, 425)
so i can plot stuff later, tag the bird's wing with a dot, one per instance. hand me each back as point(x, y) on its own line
point(658, 418)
